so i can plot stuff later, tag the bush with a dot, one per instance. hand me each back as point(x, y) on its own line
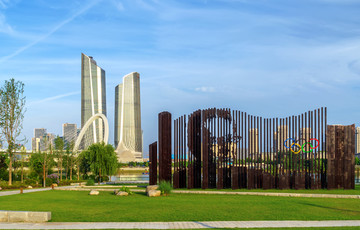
point(126, 189)
point(357, 161)
point(90, 182)
point(165, 187)
point(54, 178)
point(64, 183)
point(48, 182)
point(15, 185)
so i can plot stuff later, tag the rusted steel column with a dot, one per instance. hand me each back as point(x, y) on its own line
point(165, 146)
point(153, 163)
point(341, 158)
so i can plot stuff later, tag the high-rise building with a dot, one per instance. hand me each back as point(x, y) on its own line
point(254, 141)
point(38, 133)
point(42, 140)
point(128, 133)
point(280, 136)
point(93, 99)
point(357, 140)
point(69, 133)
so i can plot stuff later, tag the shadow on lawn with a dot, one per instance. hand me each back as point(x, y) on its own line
point(327, 207)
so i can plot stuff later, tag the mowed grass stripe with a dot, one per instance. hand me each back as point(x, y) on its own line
point(74, 206)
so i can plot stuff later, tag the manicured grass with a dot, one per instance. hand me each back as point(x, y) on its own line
point(79, 206)
point(355, 191)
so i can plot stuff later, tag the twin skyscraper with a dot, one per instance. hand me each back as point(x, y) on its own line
point(127, 129)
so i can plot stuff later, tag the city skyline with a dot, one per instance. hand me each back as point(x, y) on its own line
point(271, 60)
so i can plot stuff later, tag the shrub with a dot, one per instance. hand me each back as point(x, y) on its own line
point(126, 189)
point(90, 182)
point(64, 182)
point(165, 187)
point(54, 177)
point(48, 182)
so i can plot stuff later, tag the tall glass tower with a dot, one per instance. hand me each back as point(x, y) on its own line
point(128, 134)
point(93, 99)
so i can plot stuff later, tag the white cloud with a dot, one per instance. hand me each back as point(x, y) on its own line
point(4, 4)
point(118, 5)
point(53, 98)
point(53, 30)
point(4, 26)
point(205, 89)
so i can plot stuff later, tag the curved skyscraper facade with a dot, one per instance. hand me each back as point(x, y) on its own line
point(93, 99)
point(128, 133)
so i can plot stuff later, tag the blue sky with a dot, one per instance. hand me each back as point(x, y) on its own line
point(268, 58)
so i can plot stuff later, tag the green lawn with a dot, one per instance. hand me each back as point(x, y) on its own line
point(355, 191)
point(79, 206)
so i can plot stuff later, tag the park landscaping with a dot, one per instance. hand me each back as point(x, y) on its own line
point(107, 207)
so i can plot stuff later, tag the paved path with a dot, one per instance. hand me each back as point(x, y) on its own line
point(8, 193)
point(14, 192)
point(179, 225)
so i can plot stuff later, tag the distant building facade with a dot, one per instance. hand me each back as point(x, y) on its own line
point(69, 133)
point(128, 133)
point(254, 141)
point(42, 140)
point(93, 99)
point(35, 141)
point(280, 137)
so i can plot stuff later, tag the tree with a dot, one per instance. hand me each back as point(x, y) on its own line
point(59, 147)
point(12, 109)
point(102, 159)
point(3, 166)
point(23, 152)
point(83, 162)
point(36, 163)
point(48, 158)
point(71, 158)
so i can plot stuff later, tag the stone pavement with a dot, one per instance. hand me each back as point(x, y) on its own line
point(8, 193)
point(179, 225)
point(14, 192)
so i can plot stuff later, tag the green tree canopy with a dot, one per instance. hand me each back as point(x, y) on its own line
point(37, 163)
point(101, 158)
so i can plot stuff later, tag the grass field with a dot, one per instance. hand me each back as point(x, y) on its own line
point(79, 206)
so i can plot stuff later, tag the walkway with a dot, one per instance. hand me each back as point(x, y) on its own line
point(179, 225)
point(14, 192)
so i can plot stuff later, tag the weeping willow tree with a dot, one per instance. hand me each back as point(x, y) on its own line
point(102, 159)
point(12, 109)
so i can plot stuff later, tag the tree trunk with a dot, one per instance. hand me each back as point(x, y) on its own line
point(71, 173)
point(10, 169)
point(78, 172)
point(99, 176)
point(58, 168)
point(44, 176)
point(22, 171)
point(61, 169)
point(67, 167)
point(44, 179)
